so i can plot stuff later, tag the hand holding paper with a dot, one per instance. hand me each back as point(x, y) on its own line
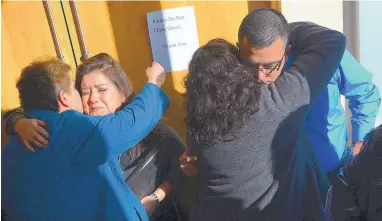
point(156, 74)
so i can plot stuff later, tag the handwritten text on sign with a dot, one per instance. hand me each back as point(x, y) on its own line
point(173, 37)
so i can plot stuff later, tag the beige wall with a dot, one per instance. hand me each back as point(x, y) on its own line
point(326, 13)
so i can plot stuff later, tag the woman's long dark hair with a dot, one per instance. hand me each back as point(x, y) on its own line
point(220, 93)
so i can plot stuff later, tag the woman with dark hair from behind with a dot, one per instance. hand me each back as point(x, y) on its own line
point(357, 191)
point(221, 96)
point(243, 133)
point(228, 92)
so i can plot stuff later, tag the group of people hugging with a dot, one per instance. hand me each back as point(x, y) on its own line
point(266, 139)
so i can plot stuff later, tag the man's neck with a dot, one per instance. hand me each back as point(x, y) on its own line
point(62, 109)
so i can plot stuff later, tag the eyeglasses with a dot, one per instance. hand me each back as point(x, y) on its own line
point(264, 70)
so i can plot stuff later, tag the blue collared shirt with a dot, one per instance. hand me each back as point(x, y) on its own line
point(77, 176)
point(326, 120)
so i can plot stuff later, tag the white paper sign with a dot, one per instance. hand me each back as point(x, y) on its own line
point(173, 37)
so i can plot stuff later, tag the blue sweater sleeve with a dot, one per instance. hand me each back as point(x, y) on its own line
point(115, 133)
point(364, 98)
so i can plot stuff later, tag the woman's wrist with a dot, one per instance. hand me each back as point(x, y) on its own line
point(159, 195)
point(155, 197)
point(162, 191)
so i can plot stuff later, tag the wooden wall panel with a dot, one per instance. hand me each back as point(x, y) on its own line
point(26, 37)
point(120, 29)
point(117, 28)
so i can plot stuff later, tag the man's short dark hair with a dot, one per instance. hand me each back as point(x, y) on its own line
point(40, 83)
point(263, 26)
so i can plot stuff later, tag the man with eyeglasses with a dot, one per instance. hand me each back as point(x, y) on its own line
point(272, 174)
point(262, 173)
point(267, 51)
point(267, 71)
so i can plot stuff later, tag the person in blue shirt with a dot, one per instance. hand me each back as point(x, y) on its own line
point(325, 125)
point(104, 88)
point(326, 121)
point(324, 128)
point(75, 177)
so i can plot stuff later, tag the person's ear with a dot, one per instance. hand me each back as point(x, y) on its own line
point(123, 97)
point(63, 98)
